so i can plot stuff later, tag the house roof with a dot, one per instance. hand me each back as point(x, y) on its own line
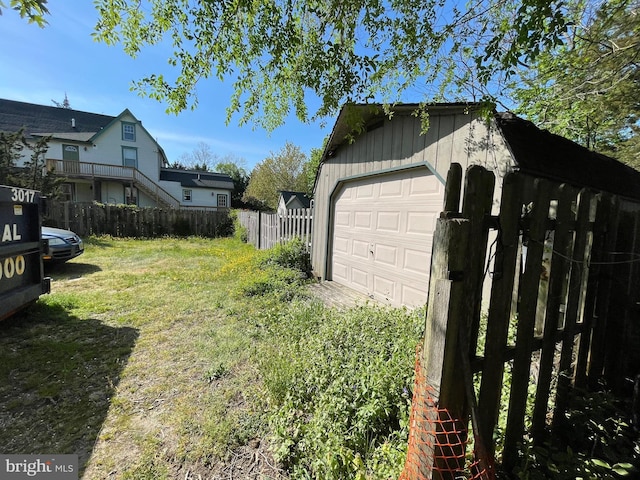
point(57, 122)
point(197, 179)
point(288, 197)
point(535, 151)
point(43, 119)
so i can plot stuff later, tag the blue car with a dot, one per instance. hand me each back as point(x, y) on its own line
point(63, 245)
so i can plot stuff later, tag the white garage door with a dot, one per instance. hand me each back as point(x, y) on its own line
point(382, 236)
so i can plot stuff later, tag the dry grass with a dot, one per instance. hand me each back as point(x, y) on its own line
point(139, 361)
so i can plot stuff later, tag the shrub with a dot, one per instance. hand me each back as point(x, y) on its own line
point(226, 227)
point(239, 231)
point(596, 441)
point(292, 254)
point(339, 386)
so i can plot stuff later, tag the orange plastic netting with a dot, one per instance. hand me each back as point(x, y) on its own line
point(438, 441)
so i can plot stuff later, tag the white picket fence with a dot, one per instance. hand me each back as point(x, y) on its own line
point(265, 230)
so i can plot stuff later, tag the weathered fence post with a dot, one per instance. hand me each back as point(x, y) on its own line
point(447, 410)
point(444, 319)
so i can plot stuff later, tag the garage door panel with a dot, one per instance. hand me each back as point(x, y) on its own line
point(360, 249)
point(342, 219)
point(417, 261)
point(386, 254)
point(391, 190)
point(364, 191)
point(423, 186)
point(340, 271)
point(384, 287)
point(360, 278)
point(362, 220)
point(388, 243)
point(412, 296)
point(341, 245)
point(388, 221)
point(420, 223)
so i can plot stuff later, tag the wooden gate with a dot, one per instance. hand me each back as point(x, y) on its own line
point(573, 258)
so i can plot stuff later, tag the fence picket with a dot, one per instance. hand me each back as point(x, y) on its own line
point(499, 315)
point(526, 320)
point(97, 219)
point(562, 236)
point(271, 228)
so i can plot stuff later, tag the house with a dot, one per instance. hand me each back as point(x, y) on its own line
point(380, 187)
point(198, 189)
point(292, 200)
point(108, 159)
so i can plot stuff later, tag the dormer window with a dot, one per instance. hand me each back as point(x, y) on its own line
point(129, 132)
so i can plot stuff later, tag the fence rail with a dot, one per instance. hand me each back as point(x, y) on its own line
point(129, 221)
point(266, 230)
point(572, 257)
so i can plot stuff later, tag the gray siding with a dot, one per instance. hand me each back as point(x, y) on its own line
point(453, 136)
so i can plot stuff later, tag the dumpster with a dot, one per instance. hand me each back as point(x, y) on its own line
point(22, 278)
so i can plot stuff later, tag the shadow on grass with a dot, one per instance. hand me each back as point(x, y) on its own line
point(70, 270)
point(58, 374)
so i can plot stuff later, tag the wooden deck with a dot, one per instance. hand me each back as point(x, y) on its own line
point(338, 296)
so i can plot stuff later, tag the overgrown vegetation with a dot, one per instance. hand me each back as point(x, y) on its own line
point(596, 441)
point(173, 358)
point(338, 383)
point(339, 387)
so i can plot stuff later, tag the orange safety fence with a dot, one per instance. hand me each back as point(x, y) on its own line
point(438, 441)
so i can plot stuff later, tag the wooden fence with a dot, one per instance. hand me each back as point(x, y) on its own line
point(130, 221)
point(572, 256)
point(265, 230)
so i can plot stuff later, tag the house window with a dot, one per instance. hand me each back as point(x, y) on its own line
point(130, 195)
point(222, 200)
point(186, 195)
point(66, 192)
point(130, 157)
point(129, 131)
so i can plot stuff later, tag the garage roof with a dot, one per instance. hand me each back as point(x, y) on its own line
point(543, 154)
point(535, 151)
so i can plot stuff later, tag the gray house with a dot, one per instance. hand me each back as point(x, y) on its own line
point(291, 201)
point(380, 187)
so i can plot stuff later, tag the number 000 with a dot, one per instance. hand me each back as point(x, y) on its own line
point(12, 266)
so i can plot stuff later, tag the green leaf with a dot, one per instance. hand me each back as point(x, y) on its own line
point(600, 463)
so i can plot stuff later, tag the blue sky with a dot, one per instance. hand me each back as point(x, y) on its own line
point(42, 64)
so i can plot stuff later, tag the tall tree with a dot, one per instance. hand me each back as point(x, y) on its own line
point(32, 173)
point(64, 103)
point(11, 146)
point(310, 169)
point(200, 158)
point(280, 171)
point(277, 52)
point(589, 89)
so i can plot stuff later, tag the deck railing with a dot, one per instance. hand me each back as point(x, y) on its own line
point(77, 169)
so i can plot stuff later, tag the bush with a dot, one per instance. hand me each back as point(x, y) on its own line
point(226, 227)
point(596, 441)
point(292, 254)
point(339, 386)
point(239, 231)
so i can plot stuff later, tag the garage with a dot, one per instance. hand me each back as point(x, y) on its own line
point(382, 235)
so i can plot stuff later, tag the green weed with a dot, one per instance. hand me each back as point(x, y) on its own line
point(339, 385)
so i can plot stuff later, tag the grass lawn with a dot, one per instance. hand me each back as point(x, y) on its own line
point(185, 358)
